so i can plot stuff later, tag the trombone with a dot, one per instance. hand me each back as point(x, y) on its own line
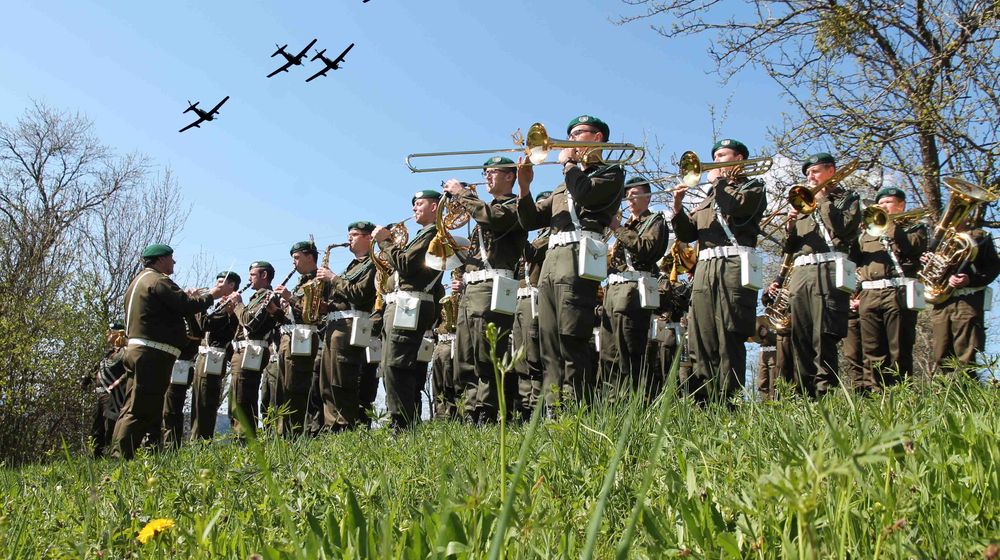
point(536, 146)
point(877, 220)
point(803, 197)
point(691, 167)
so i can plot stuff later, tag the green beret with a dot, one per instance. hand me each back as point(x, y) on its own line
point(890, 191)
point(636, 179)
point(362, 225)
point(260, 264)
point(592, 121)
point(821, 157)
point(736, 145)
point(156, 250)
point(426, 193)
point(306, 246)
point(543, 195)
point(116, 325)
point(229, 275)
point(497, 161)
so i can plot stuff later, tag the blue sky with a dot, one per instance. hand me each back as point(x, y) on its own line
point(287, 158)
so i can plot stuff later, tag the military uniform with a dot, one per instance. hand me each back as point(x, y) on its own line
point(675, 299)
point(957, 324)
point(497, 243)
point(767, 366)
point(402, 375)
point(154, 319)
point(524, 333)
point(180, 382)
point(446, 386)
point(566, 301)
point(723, 312)
point(854, 355)
point(251, 355)
point(206, 395)
point(369, 379)
point(888, 327)
point(640, 242)
point(352, 295)
point(110, 397)
point(818, 309)
point(295, 372)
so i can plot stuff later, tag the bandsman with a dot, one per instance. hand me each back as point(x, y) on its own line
point(675, 300)
point(214, 354)
point(352, 296)
point(447, 388)
point(258, 320)
point(581, 208)
point(497, 242)
point(639, 243)
point(820, 285)
point(887, 264)
point(417, 290)
point(299, 343)
point(723, 313)
point(107, 379)
point(155, 308)
point(181, 378)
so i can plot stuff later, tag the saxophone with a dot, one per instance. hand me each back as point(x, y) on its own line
point(776, 308)
point(313, 291)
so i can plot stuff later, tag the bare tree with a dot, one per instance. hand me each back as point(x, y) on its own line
point(909, 85)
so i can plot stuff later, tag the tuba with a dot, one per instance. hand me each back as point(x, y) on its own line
point(952, 246)
point(383, 268)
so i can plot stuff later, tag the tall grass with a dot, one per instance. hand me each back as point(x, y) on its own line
point(911, 473)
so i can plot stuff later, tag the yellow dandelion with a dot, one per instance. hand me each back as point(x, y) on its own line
point(153, 528)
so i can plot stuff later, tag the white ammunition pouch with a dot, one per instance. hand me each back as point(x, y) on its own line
point(215, 359)
point(301, 339)
point(426, 351)
point(180, 372)
point(373, 354)
point(504, 297)
point(253, 355)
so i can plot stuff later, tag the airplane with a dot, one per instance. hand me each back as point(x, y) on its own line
point(290, 60)
point(330, 64)
point(202, 114)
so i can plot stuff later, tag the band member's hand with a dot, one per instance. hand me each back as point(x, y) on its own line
point(793, 216)
point(567, 155)
point(325, 274)
point(855, 303)
point(380, 234)
point(457, 285)
point(284, 293)
point(772, 290)
point(273, 307)
point(616, 222)
point(716, 173)
point(452, 186)
point(215, 292)
point(324, 307)
point(958, 280)
point(925, 257)
point(525, 175)
point(679, 192)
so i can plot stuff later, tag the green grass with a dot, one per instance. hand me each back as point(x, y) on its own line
point(913, 473)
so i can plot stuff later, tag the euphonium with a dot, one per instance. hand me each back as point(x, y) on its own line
point(383, 268)
point(952, 246)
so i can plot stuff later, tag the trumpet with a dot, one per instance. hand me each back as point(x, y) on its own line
point(536, 146)
point(877, 220)
point(691, 167)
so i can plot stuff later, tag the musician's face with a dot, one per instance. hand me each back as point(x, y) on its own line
point(258, 278)
point(165, 264)
point(638, 200)
point(227, 287)
point(820, 172)
point(499, 181)
point(360, 242)
point(726, 154)
point(303, 262)
point(892, 204)
point(424, 210)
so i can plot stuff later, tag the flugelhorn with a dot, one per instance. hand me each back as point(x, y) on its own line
point(877, 220)
point(691, 167)
point(536, 146)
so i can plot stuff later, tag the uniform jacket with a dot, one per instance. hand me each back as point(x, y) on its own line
point(255, 322)
point(355, 287)
point(841, 214)
point(644, 238)
point(597, 193)
point(155, 308)
point(742, 204)
point(874, 263)
point(504, 236)
point(534, 256)
point(409, 263)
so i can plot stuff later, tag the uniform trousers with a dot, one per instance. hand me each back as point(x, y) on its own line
point(173, 412)
point(206, 396)
point(888, 333)
point(402, 375)
point(473, 365)
point(774, 365)
point(524, 334)
point(624, 334)
point(340, 377)
point(367, 393)
point(447, 388)
point(244, 391)
point(295, 375)
point(959, 332)
point(566, 320)
point(819, 321)
point(148, 372)
point(854, 354)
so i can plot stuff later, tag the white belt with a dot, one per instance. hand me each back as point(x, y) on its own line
point(817, 258)
point(205, 349)
point(241, 344)
point(338, 315)
point(446, 337)
point(882, 284)
point(483, 275)
point(627, 276)
point(287, 329)
point(391, 297)
point(523, 293)
point(723, 252)
point(570, 237)
point(768, 348)
point(173, 351)
point(958, 292)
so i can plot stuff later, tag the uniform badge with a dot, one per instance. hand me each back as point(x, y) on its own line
point(584, 118)
point(725, 142)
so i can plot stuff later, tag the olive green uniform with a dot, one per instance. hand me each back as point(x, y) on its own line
point(675, 299)
point(154, 313)
point(173, 403)
point(206, 394)
point(957, 324)
point(767, 366)
point(566, 301)
point(257, 325)
point(352, 293)
point(496, 227)
point(723, 312)
point(446, 386)
point(639, 243)
point(888, 327)
point(817, 307)
point(402, 375)
point(109, 397)
point(295, 373)
point(524, 333)
point(854, 354)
